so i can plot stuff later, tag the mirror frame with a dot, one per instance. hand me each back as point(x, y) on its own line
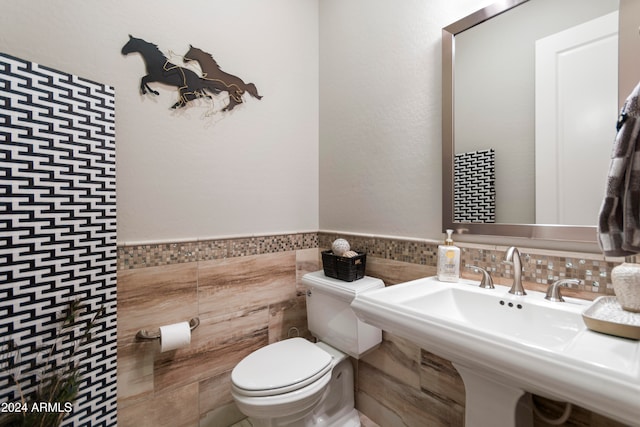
point(573, 233)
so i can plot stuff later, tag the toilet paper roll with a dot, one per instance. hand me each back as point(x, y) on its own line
point(175, 336)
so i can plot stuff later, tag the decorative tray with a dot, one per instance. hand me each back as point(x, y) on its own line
point(607, 316)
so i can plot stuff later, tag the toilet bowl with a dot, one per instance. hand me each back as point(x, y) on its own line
point(297, 383)
point(300, 396)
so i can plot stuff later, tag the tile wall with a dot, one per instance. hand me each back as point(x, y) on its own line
point(247, 293)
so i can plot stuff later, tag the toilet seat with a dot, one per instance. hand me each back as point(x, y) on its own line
point(281, 367)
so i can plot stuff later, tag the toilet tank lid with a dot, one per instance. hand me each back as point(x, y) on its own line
point(340, 288)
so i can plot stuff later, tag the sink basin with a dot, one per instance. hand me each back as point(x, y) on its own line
point(518, 343)
point(507, 318)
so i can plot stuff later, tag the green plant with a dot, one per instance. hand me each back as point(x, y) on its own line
point(59, 373)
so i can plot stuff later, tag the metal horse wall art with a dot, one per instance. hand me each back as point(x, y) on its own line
point(233, 85)
point(160, 69)
point(190, 85)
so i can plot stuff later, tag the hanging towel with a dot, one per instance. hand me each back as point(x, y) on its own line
point(619, 219)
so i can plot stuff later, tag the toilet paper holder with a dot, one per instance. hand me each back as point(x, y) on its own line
point(143, 334)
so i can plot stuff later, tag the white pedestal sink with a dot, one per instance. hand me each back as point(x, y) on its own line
point(490, 403)
point(504, 345)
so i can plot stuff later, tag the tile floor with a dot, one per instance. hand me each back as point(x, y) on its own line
point(366, 422)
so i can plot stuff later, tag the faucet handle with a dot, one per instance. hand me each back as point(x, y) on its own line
point(487, 281)
point(553, 291)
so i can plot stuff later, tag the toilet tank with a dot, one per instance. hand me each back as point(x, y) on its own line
point(330, 317)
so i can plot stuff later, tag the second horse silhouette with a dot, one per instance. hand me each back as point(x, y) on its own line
point(211, 72)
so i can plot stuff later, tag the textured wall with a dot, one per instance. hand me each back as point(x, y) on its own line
point(197, 172)
point(380, 114)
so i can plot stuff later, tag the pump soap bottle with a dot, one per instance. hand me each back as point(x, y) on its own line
point(448, 260)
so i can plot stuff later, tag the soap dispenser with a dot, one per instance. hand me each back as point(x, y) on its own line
point(448, 260)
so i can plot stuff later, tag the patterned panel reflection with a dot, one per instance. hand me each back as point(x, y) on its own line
point(474, 186)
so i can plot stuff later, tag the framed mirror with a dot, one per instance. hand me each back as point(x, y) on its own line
point(530, 101)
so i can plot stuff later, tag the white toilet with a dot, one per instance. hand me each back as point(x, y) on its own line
point(297, 383)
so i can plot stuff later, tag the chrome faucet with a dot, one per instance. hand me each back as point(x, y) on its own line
point(553, 292)
point(513, 257)
point(487, 281)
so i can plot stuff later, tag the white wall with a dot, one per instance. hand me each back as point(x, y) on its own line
point(629, 60)
point(380, 114)
point(347, 136)
point(180, 174)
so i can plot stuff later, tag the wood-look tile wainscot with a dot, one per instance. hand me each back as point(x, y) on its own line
point(247, 293)
point(243, 304)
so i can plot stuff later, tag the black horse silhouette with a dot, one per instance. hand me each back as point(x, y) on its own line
point(160, 69)
point(228, 82)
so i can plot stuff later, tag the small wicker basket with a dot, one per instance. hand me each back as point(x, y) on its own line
point(344, 268)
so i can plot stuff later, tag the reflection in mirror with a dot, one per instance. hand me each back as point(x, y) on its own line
point(530, 101)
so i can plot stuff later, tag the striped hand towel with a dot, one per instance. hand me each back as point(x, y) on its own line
point(619, 218)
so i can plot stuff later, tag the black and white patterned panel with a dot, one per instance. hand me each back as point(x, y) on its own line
point(474, 186)
point(58, 222)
